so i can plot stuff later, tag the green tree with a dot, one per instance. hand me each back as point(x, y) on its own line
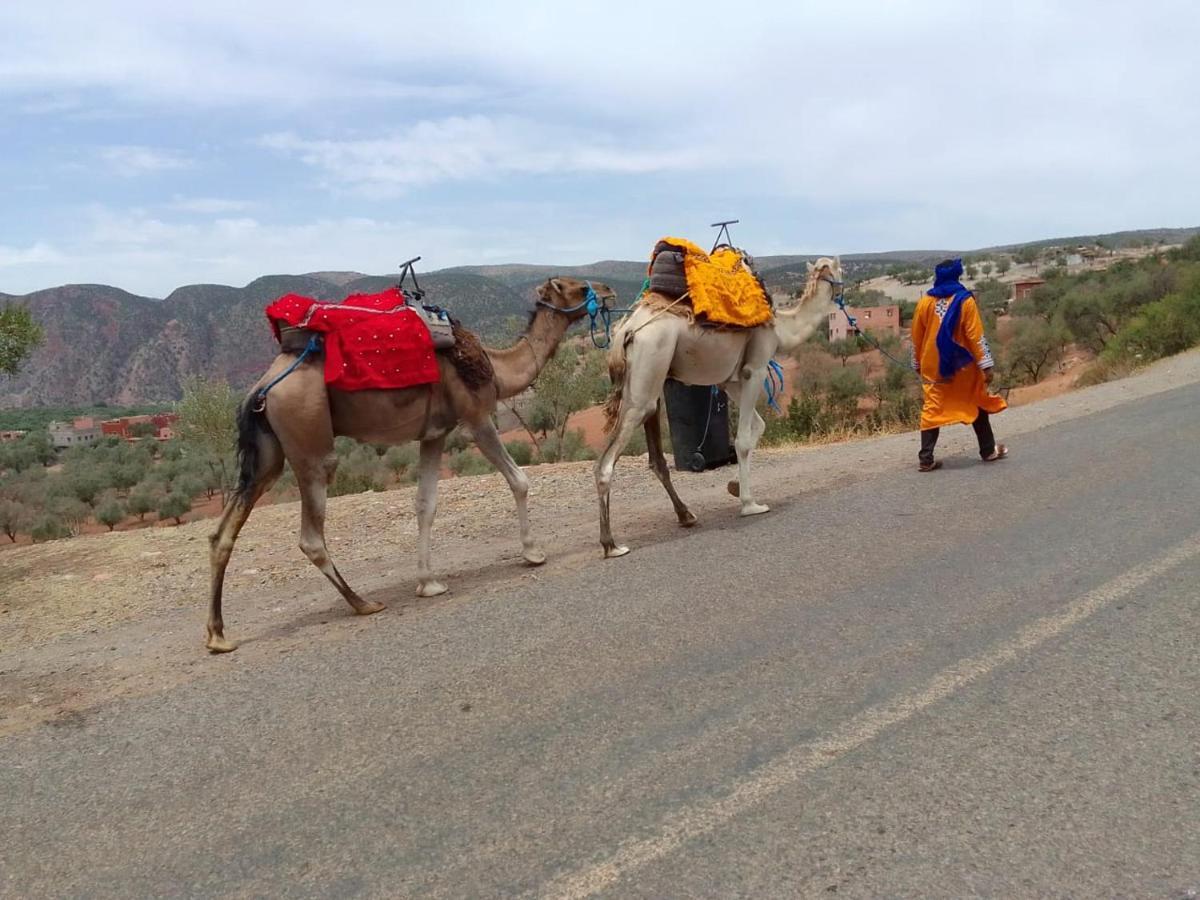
point(173, 506)
point(844, 348)
point(142, 499)
point(1036, 345)
point(86, 482)
point(20, 335)
point(567, 383)
point(72, 512)
point(143, 430)
point(1027, 255)
point(110, 513)
point(208, 427)
point(15, 517)
point(1003, 265)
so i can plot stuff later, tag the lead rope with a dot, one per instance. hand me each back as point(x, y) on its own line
point(260, 399)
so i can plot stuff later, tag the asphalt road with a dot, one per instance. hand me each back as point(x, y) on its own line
point(980, 682)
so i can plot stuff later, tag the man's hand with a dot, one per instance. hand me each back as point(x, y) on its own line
point(988, 375)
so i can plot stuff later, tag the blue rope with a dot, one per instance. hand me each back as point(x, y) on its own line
point(840, 300)
point(596, 310)
point(314, 346)
point(773, 384)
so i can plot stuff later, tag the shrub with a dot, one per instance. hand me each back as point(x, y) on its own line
point(520, 451)
point(401, 458)
point(48, 528)
point(1165, 327)
point(572, 447)
point(457, 441)
point(467, 463)
point(359, 470)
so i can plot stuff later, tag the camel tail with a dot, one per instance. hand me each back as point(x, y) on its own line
point(616, 374)
point(252, 425)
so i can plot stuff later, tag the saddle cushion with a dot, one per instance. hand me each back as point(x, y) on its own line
point(722, 287)
point(372, 341)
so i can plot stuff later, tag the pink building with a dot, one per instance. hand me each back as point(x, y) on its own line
point(875, 319)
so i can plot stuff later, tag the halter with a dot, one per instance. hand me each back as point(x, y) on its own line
point(596, 307)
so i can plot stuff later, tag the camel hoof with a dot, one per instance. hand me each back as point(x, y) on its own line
point(430, 589)
point(735, 489)
point(218, 643)
point(614, 552)
point(754, 509)
point(688, 519)
point(534, 557)
point(368, 607)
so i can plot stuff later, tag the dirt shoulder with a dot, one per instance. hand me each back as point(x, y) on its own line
point(87, 620)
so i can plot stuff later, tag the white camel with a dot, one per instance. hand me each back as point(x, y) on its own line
point(654, 344)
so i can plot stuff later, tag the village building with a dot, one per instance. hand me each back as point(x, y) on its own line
point(7, 437)
point(159, 426)
point(875, 319)
point(1024, 288)
point(79, 432)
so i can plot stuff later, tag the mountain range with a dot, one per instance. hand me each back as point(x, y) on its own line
point(105, 345)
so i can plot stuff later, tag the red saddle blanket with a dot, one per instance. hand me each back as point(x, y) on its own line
point(372, 341)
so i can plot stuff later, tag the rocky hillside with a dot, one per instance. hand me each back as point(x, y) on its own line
point(104, 345)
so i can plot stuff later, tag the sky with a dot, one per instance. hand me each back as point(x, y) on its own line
point(149, 144)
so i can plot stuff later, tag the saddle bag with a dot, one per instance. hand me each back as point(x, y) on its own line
point(437, 320)
point(667, 276)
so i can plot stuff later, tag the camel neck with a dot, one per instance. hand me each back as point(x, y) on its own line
point(517, 366)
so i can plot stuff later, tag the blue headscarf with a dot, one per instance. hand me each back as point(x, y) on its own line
point(952, 355)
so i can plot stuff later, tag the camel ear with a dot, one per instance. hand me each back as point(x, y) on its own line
point(809, 264)
point(557, 286)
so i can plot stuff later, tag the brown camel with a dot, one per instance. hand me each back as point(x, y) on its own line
point(301, 416)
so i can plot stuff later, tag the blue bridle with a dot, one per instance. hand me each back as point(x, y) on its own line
point(597, 309)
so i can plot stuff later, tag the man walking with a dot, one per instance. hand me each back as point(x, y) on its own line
point(951, 355)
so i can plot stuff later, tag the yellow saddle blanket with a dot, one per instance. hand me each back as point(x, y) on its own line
point(722, 288)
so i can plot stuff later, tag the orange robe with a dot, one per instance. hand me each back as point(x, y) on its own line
point(959, 399)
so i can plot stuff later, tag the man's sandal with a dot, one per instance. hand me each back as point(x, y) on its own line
point(930, 467)
point(999, 453)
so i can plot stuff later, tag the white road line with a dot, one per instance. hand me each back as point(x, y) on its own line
point(808, 757)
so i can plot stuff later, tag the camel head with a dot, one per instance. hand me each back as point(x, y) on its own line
point(826, 270)
point(571, 297)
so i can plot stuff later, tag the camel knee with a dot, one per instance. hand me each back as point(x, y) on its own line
point(315, 550)
point(520, 485)
point(329, 467)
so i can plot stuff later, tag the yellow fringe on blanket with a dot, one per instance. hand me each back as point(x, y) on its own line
point(723, 289)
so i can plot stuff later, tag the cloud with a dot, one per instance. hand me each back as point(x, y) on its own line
point(39, 253)
point(209, 205)
point(130, 161)
point(474, 147)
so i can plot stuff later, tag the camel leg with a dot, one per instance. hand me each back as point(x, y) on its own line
point(658, 465)
point(750, 429)
point(313, 477)
point(233, 517)
point(487, 439)
point(631, 417)
point(431, 462)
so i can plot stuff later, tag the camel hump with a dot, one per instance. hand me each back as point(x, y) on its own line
point(469, 358)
